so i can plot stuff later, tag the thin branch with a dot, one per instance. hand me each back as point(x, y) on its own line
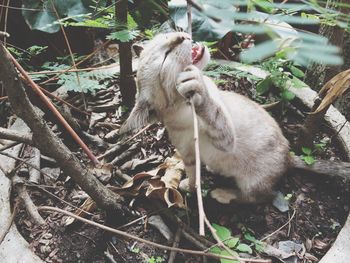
point(58, 198)
point(46, 72)
point(280, 228)
point(147, 242)
point(5, 23)
point(176, 243)
point(201, 213)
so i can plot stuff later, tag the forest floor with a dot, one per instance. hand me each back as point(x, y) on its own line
point(317, 205)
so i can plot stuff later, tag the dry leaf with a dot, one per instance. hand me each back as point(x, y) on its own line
point(333, 89)
point(156, 186)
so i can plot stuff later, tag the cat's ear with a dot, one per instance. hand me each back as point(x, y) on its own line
point(140, 115)
point(138, 48)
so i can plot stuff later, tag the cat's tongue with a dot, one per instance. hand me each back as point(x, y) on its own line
point(197, 53)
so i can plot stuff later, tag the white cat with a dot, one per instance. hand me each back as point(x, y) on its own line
point(238, 138)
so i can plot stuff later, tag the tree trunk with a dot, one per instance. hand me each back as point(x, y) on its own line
point(127, 81)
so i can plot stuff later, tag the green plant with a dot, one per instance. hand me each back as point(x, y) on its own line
point(24, 57)
point(283, 73)
point(155, 259)
point(233, 243)
point(216, 18)
point(307, 155)
point(84, 81)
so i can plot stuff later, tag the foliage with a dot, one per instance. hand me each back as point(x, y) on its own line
point(283, 73)
point(307, 156)
point(24, 57)
point(40, 15)
point(234, 244)
point(220, 17)
point(155, 260)
point(85, 81)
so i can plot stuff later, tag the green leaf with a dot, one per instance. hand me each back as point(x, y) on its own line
point(203, 27)
point(124, 35)
point(259, 246)
point(39, 15)
point(306, 150)
point(309, 160)
point(222, 232)
point(259, 52)
point(287, 95)
point(226, 253)
point(264, 85)
point(297, 72)
point(232, 242)
point(250, 237)
point(244, 248)
point(215, 250)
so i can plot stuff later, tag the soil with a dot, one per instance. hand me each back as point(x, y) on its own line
point(318, 205)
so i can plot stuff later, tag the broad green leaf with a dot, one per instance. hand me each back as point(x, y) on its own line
point(306, 150)
point(215, 250)
point(232, 242)
point(222, 232)
point(203, 27)
point(38, 14)
point(297, 72)
point(287, 95)
point(244, 248)
point(259, 52)
point(309, 160)
point(264, 85)
point(324, 58)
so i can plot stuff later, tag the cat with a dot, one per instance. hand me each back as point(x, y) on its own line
point(238, 139)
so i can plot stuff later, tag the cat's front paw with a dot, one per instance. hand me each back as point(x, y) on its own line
point(190, 84)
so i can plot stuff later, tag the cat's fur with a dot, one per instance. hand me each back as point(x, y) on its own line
point(238, 138)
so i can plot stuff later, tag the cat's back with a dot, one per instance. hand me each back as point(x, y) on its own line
point(254, 126)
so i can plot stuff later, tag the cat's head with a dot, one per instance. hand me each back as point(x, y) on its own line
point(160, 62)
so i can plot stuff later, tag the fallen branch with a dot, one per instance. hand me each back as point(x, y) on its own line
point(147, 242)
point(16, 136)
point(27, 201)
point(48, 142)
